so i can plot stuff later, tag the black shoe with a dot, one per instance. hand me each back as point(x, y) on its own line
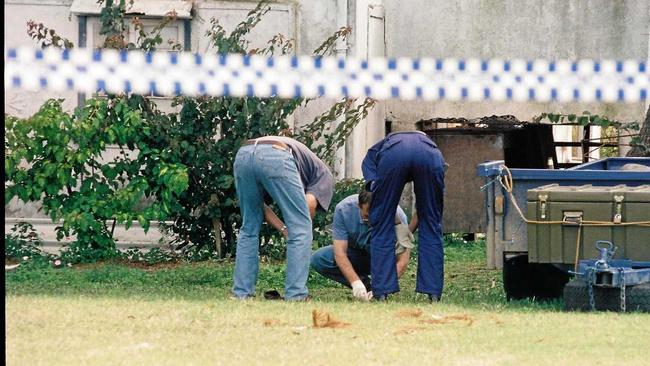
point(273, 295)
point(381, 298)
point(434, 298)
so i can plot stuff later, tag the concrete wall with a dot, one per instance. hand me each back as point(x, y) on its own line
point(308, 22)
point(55, 14)
point(527, 29)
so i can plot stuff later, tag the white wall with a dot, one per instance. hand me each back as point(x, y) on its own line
point(54, 14)
point(509, 29)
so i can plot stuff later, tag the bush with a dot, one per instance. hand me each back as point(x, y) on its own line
point(171, 165)
point(23, 241)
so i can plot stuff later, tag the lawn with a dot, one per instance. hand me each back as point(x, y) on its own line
point(111, 313)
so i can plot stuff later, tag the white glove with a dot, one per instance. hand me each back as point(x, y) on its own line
point(359, 291)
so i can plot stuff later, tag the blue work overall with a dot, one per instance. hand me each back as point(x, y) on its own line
point(391, 163)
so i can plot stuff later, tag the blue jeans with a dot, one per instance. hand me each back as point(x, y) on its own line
point(260, 168)
point(323, 262)
point(404, 158)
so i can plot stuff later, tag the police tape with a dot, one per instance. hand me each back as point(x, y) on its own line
point(172, 74)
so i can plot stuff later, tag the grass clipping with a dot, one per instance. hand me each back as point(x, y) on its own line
point(323, 319)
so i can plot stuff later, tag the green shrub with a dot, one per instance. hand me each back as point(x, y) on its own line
point(23, 241)
point(174, 166)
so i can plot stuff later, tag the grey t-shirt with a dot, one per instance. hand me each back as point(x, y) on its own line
point(316, 177)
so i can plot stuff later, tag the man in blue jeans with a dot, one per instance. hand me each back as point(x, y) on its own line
point(391, 163)
point(347, 261)
point(299, 183)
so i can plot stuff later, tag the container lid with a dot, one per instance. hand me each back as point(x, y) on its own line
point(590, 193)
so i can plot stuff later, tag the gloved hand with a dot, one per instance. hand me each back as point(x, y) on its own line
point(404, 238)
point(359, 291)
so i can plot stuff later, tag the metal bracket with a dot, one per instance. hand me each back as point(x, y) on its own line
point(611, 273)
point(618, 216)
point(542, 205)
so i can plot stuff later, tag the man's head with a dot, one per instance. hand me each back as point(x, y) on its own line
point(365, 199)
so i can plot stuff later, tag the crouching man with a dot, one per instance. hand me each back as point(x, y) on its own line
point(347, 261)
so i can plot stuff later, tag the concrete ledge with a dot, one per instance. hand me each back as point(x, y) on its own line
point(134, 237)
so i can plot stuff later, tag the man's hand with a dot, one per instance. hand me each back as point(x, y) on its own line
point(359, 291)
point(285, 232)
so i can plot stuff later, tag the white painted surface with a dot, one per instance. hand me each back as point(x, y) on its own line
point(151, 8)
point(316, 19)
point(509, 29)
point(368, 42)
point(55, 14)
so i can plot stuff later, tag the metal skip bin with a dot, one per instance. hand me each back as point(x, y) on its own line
point(579, 216)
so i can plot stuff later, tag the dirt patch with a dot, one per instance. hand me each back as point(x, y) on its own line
point(136, 265)
point(150, 267)
point(408, 330)
point(496, 320)
point(409, 313)
point(271, 322)
point(449, 319)
point(323, 319)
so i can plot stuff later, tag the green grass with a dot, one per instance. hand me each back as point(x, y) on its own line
point(114, 314)
point(467, 281)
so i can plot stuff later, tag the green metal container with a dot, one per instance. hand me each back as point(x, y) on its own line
point(571, 205)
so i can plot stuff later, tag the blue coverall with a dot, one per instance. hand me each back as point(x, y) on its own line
point(391, 163)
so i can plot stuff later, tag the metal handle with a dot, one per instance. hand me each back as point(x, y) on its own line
point(572, 217)
point(607, 250)
point(610, 245)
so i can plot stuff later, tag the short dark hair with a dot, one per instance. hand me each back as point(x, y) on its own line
point(365, 197)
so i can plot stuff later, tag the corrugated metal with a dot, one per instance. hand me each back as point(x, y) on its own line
point(147, 8)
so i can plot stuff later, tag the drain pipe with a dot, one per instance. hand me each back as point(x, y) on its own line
point(341, 50)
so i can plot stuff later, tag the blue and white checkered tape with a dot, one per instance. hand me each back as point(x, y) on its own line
point(165, 73)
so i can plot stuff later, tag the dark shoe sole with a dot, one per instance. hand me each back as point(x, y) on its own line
point(272, 295)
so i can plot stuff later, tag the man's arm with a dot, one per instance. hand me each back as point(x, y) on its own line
point(275, 221)
point(359, 290)
point(343, 262)
point(312, 204)
point(414, 222)
point(403, 261)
